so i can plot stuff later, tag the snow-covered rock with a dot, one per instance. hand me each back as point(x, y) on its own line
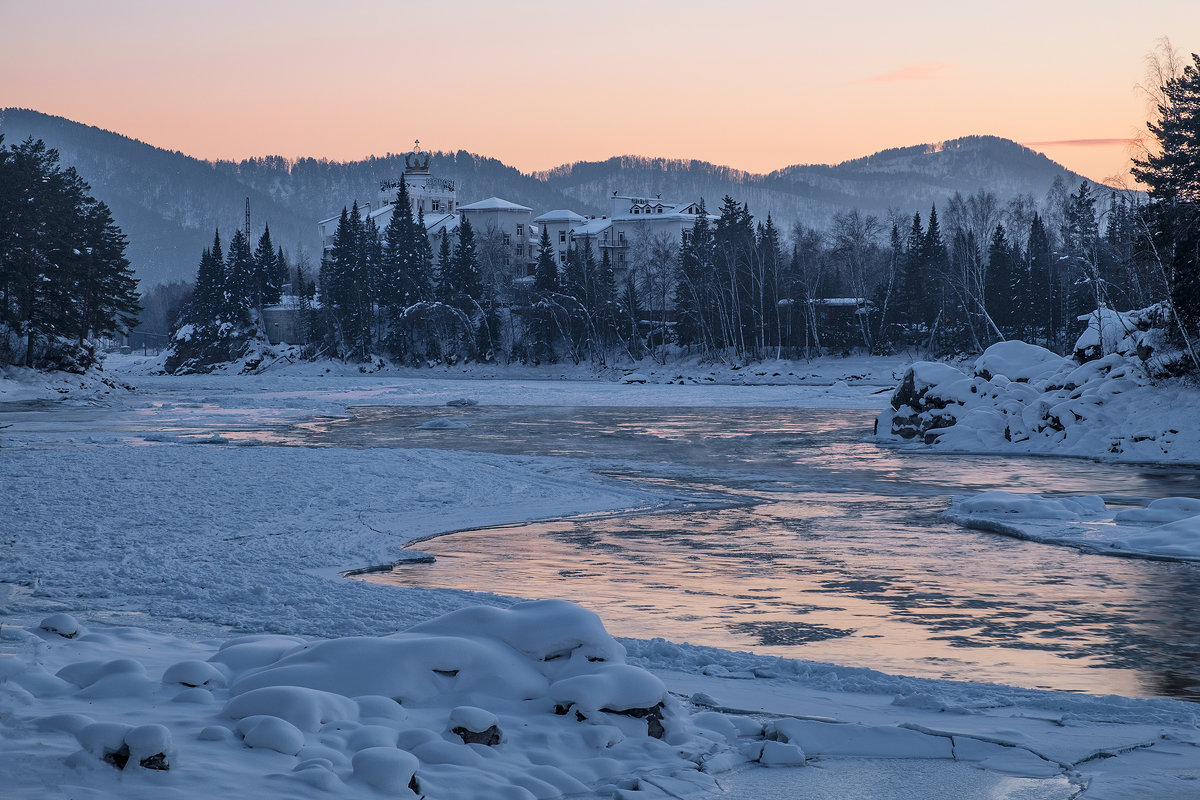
point(1019, 397)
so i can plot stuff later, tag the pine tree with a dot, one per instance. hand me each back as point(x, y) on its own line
point(64, 277)
point(1042, 304)
point(694, 284)
point(280, 277)
point(208, 297)
point(545, 274)
point(239, 279)
point(398, 245)
point(1173, 175)
point(107, 290)
point(343, 281)
point(422, 260)
point(915, 285)
point(267, 287)
point(465, 284)
point(445, 276)
point(935, 265)
point(999, 281)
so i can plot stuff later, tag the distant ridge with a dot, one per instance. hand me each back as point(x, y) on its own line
point(168, 203)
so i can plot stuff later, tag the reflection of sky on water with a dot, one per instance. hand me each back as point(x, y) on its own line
point(839, 554)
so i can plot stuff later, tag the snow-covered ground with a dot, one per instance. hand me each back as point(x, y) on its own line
point(171, 595)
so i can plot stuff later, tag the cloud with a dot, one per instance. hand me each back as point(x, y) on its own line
point(1083, 142)
point(914, 73)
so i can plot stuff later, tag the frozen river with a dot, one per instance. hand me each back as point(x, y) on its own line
point(815, 544)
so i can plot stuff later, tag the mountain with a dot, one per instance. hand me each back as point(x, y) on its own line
point(168, 203)
point(904, 179)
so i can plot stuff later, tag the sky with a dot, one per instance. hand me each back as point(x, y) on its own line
point(757, 85)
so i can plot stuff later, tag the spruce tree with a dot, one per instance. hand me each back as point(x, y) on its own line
point(913, 297)
point(1173, 175)
point(422, 261)
point(545, 274)
point(445, 274)
point(209, 290)
point(398, 245)
point(266, 286)
point(239, 279)
point(694, 284)
point(999, 281)
point(1041, 308)
point(107, 290)
point(935, 264)
point(465, 284)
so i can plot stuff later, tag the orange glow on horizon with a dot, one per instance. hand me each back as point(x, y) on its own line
point(539, 84)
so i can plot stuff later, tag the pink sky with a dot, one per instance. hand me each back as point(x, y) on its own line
point(756, 85)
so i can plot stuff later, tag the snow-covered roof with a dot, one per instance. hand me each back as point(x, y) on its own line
point(493, 204)
point(557, 214)
point(592, 227)
point(441, 223)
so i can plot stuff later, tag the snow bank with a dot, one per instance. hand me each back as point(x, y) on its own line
point(1168, 528)
point(530, 701)
point(1021, 398)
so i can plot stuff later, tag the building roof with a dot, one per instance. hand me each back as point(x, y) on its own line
point(592, 227)
point(444, 222)
point(493, 204)
point(560, 214)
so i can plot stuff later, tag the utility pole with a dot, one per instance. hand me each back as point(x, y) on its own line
point(247, 220)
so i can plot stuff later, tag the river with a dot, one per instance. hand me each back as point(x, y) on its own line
point(817, 544)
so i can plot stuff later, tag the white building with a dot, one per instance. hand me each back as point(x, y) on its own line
point(559, 224)
point(505, 235)
point(435, 197)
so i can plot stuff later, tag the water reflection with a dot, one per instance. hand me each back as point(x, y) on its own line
point(837, 555)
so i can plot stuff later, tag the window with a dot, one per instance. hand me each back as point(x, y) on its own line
point(637, 210)
point(562, 237)
point(621, 237)
point(621, 258)
point(435, 205)
point(687, 236)
point(520, 231)
point(507, 240)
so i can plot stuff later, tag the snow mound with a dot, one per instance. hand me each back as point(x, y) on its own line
point(1018, 361)
point(1018, 397)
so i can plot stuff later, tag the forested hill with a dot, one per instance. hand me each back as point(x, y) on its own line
point(905, 179)
point(169, 203)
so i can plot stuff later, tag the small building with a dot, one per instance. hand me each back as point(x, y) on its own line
point(559, 223)
point(505, 235)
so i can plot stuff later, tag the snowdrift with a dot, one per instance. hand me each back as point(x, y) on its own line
point(532, 701)
point(1020, 397)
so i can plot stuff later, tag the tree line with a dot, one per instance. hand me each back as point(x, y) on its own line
point(64, 277)
point(968, 273)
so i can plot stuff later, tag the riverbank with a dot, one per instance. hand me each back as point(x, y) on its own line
point(166, 527)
